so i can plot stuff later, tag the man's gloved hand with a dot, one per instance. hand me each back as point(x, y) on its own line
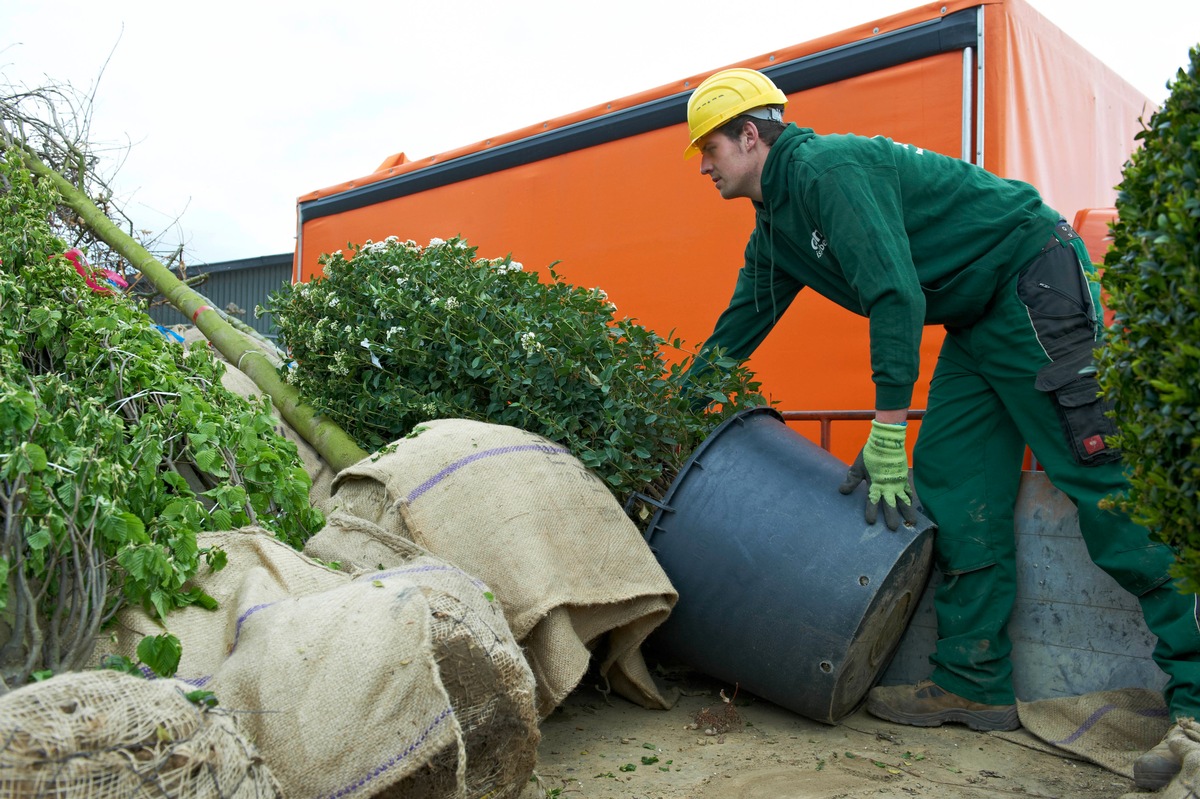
point(883, 463)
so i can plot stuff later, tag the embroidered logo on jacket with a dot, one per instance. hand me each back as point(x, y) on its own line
point(819, 243)
point(917, 150)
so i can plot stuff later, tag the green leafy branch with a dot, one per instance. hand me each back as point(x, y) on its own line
point(116, 448)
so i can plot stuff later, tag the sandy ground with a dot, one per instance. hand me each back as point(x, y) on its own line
point(595, 746)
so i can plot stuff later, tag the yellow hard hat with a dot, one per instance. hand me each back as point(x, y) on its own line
point(722, 96)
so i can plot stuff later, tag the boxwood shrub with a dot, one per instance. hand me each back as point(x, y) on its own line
point(1150, 367)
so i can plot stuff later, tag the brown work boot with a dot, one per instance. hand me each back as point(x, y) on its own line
point(1156, 768)
point(928, 705)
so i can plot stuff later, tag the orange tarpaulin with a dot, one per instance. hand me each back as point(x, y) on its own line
point(606, 191)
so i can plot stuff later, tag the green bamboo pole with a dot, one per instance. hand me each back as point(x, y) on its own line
point(329, 440)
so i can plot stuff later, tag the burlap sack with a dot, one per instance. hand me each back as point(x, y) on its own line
point(107, 735)
point(1184, 740)
point(237, 382)
point(521, 513)
point(1109, 728)
point(485, 673)
point(358, 687)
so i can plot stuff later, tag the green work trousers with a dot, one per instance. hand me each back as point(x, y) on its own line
point(1024, 374)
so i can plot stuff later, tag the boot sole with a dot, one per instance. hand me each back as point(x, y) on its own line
point(979, 720)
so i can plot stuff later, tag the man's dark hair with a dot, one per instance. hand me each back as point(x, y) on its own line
point(768, 130)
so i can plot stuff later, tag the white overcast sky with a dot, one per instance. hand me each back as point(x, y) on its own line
point(235, 109)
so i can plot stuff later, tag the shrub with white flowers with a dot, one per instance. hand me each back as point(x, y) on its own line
point(396, 334)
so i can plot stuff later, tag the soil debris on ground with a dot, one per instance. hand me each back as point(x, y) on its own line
point(718, 742)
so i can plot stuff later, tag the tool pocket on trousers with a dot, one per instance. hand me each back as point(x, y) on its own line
point(1082, 412)
point(967, 528)
point(1059, 301)
point(963, 556)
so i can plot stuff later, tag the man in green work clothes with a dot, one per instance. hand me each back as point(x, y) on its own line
point(908, 238)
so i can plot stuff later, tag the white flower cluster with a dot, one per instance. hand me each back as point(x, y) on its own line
point(318, 335)
point(325, 258)
point(366, 345)
point(503, 266)
point(436, 242)
point(340, 366)
point(330, 261)
point(380, 246)
point(452, 303)
point(603, 296)
point(398, 330)
point(530, 344)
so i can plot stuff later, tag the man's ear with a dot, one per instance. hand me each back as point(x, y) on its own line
point(750, 134)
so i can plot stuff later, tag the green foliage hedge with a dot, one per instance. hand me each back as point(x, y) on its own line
point(396, 334)
point(1150, 367)
point(116, 449)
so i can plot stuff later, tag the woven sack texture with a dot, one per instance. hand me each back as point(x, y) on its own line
point(375, 685)
point(1108, 728)
point(570, 569)
point(108, 735)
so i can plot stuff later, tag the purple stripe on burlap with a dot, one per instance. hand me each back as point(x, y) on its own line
point(198, 682)
point(420, 569)
point(393, 761)
point(487, 453)
point(388, 764)
point(1092, 720)
point(237, 635)
point(237, 632)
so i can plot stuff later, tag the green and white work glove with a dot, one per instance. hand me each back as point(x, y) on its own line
point(883, 463)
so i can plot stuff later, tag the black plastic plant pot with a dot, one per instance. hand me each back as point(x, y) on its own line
point(784, 590)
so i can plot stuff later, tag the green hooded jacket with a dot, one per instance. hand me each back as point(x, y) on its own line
point(904, 236)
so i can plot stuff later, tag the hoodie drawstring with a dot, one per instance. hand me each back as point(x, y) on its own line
point(771, 270)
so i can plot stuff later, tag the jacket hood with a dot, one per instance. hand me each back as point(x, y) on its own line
point(774, 174)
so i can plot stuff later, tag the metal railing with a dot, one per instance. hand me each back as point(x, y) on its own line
point(827, 418)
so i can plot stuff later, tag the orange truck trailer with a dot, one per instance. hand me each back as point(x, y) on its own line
point(606, 191)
